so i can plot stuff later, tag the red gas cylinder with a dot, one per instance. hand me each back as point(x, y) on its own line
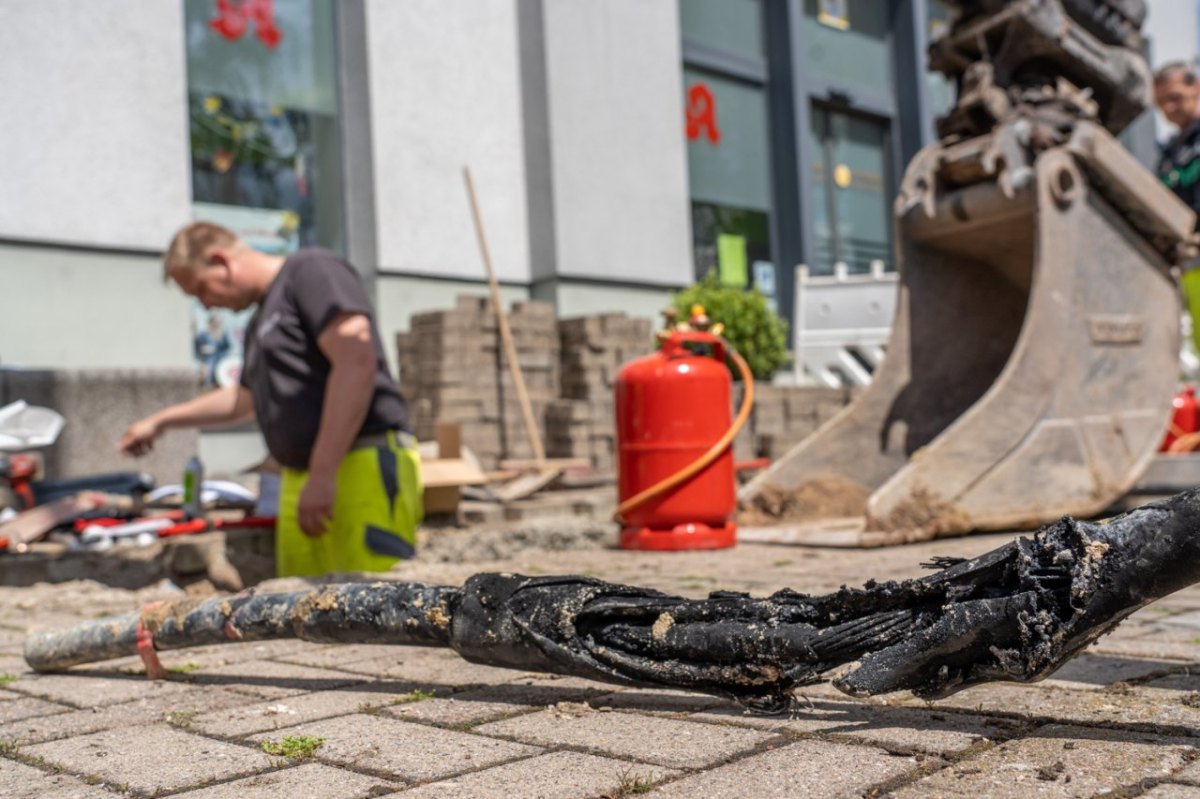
point(1185, 417)
point(671, 408)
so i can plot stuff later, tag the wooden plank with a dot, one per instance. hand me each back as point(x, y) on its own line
point(526, 484)
point(523, 464)
point(836, 532)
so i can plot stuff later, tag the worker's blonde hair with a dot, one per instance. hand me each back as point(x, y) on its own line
point(188, 246)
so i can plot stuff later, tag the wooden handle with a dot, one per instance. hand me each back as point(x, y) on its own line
point(510, 350)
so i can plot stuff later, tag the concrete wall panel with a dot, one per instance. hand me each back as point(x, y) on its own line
point(76, 309)
point(95, 130)
point(617, 140)
point(445, 92)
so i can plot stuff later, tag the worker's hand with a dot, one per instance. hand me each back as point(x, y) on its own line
point(139, 437)
point(316, 505)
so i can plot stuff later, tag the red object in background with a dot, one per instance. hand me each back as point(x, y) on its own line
point(21, 471)
point(1185, 416)
point(233, 17)
point(702, 114)
point(671, 407)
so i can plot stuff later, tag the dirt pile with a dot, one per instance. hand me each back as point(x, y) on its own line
point(822, 497)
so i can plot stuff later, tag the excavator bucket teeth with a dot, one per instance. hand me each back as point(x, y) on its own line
point(1032, 361)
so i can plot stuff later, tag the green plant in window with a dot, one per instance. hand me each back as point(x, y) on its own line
point(751, 327)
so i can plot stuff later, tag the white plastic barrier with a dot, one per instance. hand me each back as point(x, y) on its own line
point(842, 324)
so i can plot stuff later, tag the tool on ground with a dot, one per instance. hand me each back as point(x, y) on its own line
point(527, 484)
point(1016, 613)
point(675, 472)
point(1034, 351)
point(34, 524)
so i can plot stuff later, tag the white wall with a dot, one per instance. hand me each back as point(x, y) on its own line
point(445, 92)
point(73, 309)
point(618, 155)
point(94, 131)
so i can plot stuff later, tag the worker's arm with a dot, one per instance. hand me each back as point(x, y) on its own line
point(346, 341)
point(220, 406)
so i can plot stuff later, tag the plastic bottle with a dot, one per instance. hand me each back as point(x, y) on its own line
point(193, 483)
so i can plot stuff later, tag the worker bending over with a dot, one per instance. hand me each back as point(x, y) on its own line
point(315, 378)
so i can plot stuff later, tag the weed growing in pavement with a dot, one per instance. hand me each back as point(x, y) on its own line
point(293, 747)
point(415, 696)
point(182, 718)
point(630, 784)
point(5, 679)
point(183, 668)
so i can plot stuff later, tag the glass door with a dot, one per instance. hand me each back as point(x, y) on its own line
point(851, 189)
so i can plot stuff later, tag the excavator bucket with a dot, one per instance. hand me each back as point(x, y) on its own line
point(1034, 353)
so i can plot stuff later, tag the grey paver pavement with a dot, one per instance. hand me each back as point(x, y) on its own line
point(1123, 718)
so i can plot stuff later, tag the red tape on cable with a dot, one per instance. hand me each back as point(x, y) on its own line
point(145, 648)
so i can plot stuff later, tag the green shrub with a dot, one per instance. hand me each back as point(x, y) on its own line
point(751, 327)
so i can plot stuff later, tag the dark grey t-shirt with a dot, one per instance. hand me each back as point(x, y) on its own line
point(286, 371)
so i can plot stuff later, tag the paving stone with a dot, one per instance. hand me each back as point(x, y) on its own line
point(1190, 620)
point(650, 739)
point(1136, 706)
point(178, 709)
point(308, 779)
point(24, 707)
point(288, 711)
point(903, 730)
point(557, 775)
point(92, 689)
point(672, 703)
point(1171, 791)
point(1058, 761)
point(488, 703)
point(416, 752)
point(270, 679)
point(19, 781)
point(152, 758)
point(1091, 671)
point(337, 656)
point(1190, 775)
point(812, 769)
point(431, 667)
point(1151, 647)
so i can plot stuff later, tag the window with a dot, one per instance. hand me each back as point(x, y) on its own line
point(846, 43)
point(262, 102)
point(851, 192)
point(728, 132)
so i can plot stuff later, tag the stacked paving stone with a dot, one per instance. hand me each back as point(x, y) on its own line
point(594, 348)
point(784, 416)
point(453, 369)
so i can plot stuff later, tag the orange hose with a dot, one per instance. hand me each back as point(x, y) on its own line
point(714, 452)
point(1188, 442)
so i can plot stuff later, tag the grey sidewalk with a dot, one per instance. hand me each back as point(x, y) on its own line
point(1122, 720)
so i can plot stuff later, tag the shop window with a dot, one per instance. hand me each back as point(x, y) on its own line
point(262, 104)
point(734, 26)
point(730, 174)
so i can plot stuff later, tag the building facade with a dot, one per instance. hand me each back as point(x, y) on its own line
point(620, 149)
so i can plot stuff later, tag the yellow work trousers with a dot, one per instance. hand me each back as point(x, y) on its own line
point(1191, 296)
point(375, 514)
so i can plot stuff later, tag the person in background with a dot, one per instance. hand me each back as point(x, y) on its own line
point(1177, 95)
point(316, 380)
